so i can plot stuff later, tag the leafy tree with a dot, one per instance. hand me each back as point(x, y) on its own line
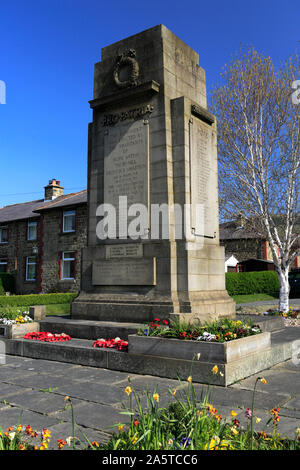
point(259, 158)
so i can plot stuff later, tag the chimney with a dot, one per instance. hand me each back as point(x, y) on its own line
point(53, 190)
point(241, 220)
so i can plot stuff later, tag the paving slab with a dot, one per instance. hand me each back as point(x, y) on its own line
point(40, 402)
point(282, 382)
point(98, 396)
point(93, 392)
point(96, 416)
point(11, 416)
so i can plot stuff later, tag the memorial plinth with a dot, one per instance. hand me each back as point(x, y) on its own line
point(152, 147)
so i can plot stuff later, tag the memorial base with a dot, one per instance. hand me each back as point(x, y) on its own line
point(207, 306)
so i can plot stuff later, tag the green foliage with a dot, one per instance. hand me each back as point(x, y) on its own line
point(223, 330)
point(6, 283)
point(11, 312)
point(37, 299)
point(188, 421)
point(260, 282)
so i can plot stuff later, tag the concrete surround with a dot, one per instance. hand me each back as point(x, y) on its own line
point(153, 139)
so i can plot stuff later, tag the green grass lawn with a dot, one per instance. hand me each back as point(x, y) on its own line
point(241, 299)
point(58, 309)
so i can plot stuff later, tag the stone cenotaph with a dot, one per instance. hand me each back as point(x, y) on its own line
point(153, 232)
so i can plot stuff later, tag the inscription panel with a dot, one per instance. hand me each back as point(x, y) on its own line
point(126, 164)
point(124, 272)
point(203, 179)
point(124, 251)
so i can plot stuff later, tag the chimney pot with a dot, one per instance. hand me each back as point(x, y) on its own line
point(53, 190)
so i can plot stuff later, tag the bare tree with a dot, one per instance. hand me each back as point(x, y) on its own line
point(259, 157)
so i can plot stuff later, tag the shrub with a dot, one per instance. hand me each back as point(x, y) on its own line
point(6, 283)
point(261, 282)
point(36, 299)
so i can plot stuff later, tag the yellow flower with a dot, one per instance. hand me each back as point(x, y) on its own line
point(215, 370)
point(257, 419)
point(19, 428)
point(134, 439)
point(128, 390)
point(46, 434)
point(233, 414)
point(234, 430)
point(156, 397)
point(189, 379)
point(120, 427)
point(263, 380)
point(174, 392)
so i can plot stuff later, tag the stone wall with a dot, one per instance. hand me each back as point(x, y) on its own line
point(16, 251)
point(244, 249)
point(55, 242)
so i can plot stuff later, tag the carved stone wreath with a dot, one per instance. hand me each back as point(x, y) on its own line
point(127, 60)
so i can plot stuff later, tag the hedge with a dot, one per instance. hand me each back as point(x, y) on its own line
point(36, 299)
point(260, 282)
point(6, 283)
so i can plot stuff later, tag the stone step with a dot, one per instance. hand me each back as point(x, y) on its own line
point(81, 352)
point(88, 329)
point(92, 330)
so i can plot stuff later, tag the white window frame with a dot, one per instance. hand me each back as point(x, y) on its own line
point(30, 263)
point(71, 213)
point(3, 227)
point(67, 258)
point(31, 223)
point(3, 262)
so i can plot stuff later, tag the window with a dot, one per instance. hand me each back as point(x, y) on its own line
point(32, 230)
point(68, 265)
point(69, 221)
point(3, 265)
point(3, 234)
point(30, 268)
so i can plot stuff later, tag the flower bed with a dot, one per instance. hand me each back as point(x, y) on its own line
point(217, 331)
point(14, 322)
point(14, 316)
point(292, 313)
point(220, 341)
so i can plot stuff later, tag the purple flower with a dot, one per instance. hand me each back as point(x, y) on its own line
point(185, 442)
point(248, 413)
point(146, 331)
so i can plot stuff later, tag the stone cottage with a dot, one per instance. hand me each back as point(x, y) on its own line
point(41, 241)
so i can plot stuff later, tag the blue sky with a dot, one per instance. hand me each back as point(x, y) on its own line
point(48, 51)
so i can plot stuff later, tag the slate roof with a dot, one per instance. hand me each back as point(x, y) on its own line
point(233, 231)
point(19, 211)
point(64, 201)
point(31, 209)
